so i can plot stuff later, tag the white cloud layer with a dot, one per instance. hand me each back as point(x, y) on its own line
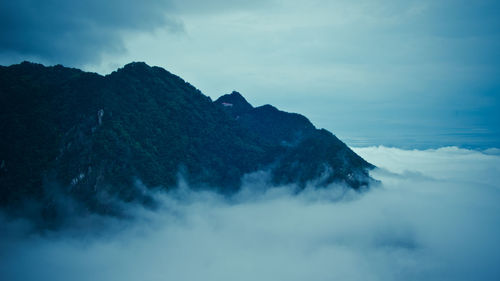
point(435, 217)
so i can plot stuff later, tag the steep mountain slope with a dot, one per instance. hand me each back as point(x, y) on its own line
point(308, 153)
point(92, 137)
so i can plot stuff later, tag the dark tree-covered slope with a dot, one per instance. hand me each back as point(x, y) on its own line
point(91, 137)
point(307, 153)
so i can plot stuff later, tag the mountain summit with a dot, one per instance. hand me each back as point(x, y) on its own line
point(95, 137)
point(235, 103)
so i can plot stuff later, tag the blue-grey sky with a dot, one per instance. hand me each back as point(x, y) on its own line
point(405, 73)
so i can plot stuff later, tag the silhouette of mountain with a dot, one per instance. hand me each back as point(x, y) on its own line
point(92, 137)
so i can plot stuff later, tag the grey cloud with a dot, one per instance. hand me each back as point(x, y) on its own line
point(78, 33)
point(219, 6)
point(75, 32)
point(434, 218)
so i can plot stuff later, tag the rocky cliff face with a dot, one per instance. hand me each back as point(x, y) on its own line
point(91, 137)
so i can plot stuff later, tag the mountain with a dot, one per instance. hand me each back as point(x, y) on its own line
point(307, 153)
point(92, 138)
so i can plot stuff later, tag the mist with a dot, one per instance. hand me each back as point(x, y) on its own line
point(434, 216)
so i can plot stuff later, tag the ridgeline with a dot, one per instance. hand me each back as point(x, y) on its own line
point(91, 137)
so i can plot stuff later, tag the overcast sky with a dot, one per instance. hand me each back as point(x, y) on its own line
point(406, 73)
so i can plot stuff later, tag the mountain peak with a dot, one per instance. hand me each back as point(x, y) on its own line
point(235, 102)
point(236, 94)
point(136, 65)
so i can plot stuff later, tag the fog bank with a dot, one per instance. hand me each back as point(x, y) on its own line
point(434, 217)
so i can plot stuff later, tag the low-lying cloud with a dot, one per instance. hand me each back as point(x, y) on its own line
point(434, 217)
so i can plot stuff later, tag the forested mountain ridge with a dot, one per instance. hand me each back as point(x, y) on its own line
point(92, 137)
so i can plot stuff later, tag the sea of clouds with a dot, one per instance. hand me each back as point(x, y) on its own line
point(435, 216)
